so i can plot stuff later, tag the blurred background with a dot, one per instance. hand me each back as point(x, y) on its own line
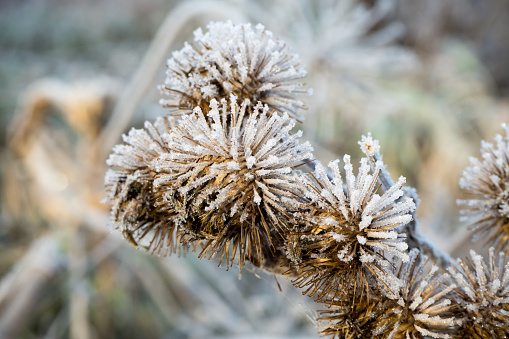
point(428, 79)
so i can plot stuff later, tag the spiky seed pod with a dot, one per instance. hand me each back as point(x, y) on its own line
point(418, 306)
point(410, 303)
point(350, 232)
point(233, 59)
point(351, 318)
point(129, 185)
point(236, 175)
point(487, 180)
point(483, 296)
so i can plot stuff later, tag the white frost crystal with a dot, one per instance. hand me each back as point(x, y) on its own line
point(369, 146)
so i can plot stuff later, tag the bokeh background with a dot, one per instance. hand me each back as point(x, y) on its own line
point(429, 79)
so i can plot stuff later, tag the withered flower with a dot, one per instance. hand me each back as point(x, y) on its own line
point(487, 180)
point(483, 296)
point(130, 190)
point(233, 59)
point(235, 175)
point(351, 231)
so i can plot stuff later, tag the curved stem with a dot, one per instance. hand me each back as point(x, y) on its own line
point(415, 238)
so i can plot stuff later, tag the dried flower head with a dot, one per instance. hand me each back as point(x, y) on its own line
point(483, 295)
point(233, 59)
point(351, 318)
point(488, 181)
point(417, 306)
point(129, 184)
point(352, 230)
point(410, 303)
point(236, 175)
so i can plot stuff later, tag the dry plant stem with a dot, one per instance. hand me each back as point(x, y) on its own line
point(155, 286)
point(415, 238)
point(79, 301)
point(21, 289)
point(151, 64)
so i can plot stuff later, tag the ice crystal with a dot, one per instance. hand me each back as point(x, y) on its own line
point(483, 295)
point(129, 182)
point(364, 233)
point(487, 180)
point(236, 174)
point(234, 59)
point(417, 306)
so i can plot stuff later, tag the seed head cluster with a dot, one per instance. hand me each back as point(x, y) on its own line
point(223, 176)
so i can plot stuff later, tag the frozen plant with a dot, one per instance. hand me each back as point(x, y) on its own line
point(417, 306)
point(225, 179)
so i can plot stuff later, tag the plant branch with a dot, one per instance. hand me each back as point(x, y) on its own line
point(415, 238)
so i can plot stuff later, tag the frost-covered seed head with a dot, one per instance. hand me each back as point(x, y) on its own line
point(236, 175)
point(351, 317)
point(483, 295)
point(365, 231)
point(136, 209)
point(487, 181)
point(411, 301)
point(417, 306)
point(234, 59)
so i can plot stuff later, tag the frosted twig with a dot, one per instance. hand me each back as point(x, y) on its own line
point(415, 238)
